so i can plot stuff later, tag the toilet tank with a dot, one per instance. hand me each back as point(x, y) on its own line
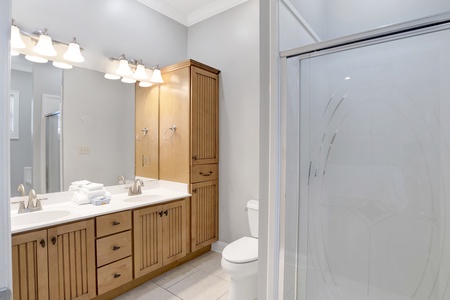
point(253, 212)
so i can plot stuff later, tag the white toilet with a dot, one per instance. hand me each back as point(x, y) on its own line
point(240, 259)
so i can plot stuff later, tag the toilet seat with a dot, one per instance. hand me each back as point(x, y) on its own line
point(243, 250)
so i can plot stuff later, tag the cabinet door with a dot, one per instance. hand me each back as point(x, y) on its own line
point(175, 230)
point(147, 225)
point(204, 214)
point(71, 251)
point(174, 110)
point(204, 116)
point(29, 263)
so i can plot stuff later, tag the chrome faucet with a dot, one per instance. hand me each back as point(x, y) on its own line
point(136, 188)
point(31, 205)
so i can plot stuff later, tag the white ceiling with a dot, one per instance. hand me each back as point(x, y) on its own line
point(189, 12)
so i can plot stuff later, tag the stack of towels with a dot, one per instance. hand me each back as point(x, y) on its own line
point(86, 191)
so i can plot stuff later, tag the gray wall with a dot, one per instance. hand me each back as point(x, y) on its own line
point(230, 42)
point(21, 149)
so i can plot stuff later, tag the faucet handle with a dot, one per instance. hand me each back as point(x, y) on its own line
point(21, 189)
point(21, 207)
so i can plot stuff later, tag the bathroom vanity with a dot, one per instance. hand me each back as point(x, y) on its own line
point(70, 251)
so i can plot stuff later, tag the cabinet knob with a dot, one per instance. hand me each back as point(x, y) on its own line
point(115, 248)
point(54, 240)
point(117, 275)
point(194, 157)
point(42, 242)
point(115, 223)
point(166, 212)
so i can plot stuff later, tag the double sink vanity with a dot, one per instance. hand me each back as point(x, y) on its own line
point(71, 251)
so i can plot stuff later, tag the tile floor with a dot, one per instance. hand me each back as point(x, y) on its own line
point(199, 279)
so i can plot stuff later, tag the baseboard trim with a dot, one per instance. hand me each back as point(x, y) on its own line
point(218, 246)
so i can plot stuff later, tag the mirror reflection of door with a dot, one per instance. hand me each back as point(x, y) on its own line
point(52, 152)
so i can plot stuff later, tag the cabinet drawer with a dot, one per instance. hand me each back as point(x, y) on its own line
point(113, 247)
point(204, 173)
point(113, 275)
point(113, 223)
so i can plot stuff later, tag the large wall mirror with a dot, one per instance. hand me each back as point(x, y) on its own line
point(69, 125)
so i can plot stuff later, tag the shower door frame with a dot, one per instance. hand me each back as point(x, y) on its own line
point(380, 35)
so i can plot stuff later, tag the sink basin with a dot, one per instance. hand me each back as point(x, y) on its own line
point(143, 198)
point(38, 217)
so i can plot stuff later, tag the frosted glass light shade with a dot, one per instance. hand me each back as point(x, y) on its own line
point(73, 53)
point(124, 68)
point(128, 80)
point(145, 84)
point(140, 73)
point(62, 65)
point(156, 76)
point(45, 46)
point(111, 76)
point(36, 59)
point(14, 53)
point(16, 38)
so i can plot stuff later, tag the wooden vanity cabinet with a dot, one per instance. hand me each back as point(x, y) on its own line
point(189, 99)
point(114, 250)
point(160, 235)
point(56, 263)
point(29, 258)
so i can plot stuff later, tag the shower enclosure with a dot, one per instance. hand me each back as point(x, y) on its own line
point(367, 188)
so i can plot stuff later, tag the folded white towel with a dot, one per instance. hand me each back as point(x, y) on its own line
point(94, 193)
point(80, 198)
point(92, 186)
point(80, 182)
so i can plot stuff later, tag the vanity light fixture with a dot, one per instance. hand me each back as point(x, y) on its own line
point(124, 68)
point(62, 65)
point(145, 84)
point(16, 38)
point(73, 53)
point(156, 75)
point(36, 59)
point(128, 80)
point(44, 45)
point(140, 73)
point(111, 76)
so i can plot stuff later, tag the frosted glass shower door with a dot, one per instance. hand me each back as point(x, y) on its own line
point(379, 170)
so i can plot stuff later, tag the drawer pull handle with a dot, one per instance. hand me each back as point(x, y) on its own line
point(206, 174)
point(115, 248)
point(117, 275)
point(54, 240)
point(115, 223)
point(166, 212)
point(42, 243)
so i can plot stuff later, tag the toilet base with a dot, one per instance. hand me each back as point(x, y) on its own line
point(244, 278)
point(243, 288)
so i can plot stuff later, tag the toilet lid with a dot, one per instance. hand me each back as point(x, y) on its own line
point(243, 250)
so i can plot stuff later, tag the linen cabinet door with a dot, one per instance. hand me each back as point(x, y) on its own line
point(204, 214)
point(29, 263)
point(204, 117)
point(147, 225)
point(72, 267)
point(175, 231)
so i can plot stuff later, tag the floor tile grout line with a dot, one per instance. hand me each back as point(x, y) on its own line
point(181, 279)
point(223, 294)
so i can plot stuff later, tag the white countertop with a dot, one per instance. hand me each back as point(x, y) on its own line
point(59, 208)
